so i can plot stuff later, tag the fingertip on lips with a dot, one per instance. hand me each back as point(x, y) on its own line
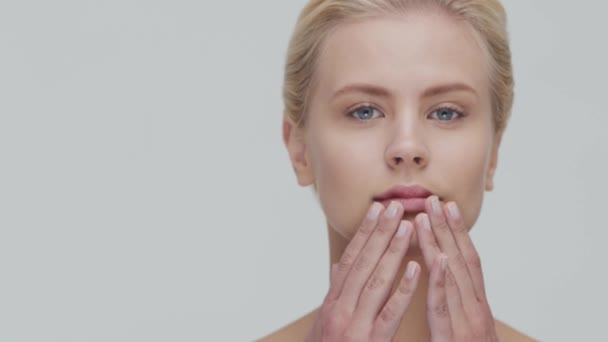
point(411, 215)
point(432, 197)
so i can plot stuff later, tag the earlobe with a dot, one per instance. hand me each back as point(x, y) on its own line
point(489, 186)
point(294, 141)
point(490, 182)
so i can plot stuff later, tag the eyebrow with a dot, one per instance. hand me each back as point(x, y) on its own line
point(383, 92)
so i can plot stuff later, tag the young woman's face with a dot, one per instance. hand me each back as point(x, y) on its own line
point(398, 101)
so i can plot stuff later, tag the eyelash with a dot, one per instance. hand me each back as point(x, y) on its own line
point(459, 113)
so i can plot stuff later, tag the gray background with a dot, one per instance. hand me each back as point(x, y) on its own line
point(145, 193)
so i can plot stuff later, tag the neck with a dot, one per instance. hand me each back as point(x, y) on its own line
point(414, 324)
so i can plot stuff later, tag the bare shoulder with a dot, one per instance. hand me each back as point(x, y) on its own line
point(507, 333)
point(294, 331)
point(297, 330)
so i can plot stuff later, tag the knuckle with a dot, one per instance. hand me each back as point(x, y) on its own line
point(361, 263)
point(440, 310)
point(475, 261)
point(440, 283)
point(450, 281)
point(388, 314)
point(433, 244)
point(375, 283)
point(345, 262)
point(460, 261)
point(405, 288)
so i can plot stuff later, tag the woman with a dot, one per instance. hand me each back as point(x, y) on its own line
point(395, 111)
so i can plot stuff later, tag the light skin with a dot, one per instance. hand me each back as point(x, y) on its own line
point(401, 100)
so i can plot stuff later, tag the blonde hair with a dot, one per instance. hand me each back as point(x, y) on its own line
point(486, 17)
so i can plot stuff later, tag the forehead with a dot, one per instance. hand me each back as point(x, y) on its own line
point(406, 54)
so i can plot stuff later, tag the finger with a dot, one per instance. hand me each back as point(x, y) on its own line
point(388, 320)
point(458, 315)
point(457, 265)
point(426, 239)
point(432, 252)
point(438, 313)
point(379, 285)
point(367, 260)
point(353, 249)
point(467, 248)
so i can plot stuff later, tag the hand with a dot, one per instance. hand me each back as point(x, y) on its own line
point(459, 310)
point(356, 307)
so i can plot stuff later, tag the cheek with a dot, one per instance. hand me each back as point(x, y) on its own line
point(464, 165)
point(342, 167)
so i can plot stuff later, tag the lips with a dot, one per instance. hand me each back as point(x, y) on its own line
point(412, 198)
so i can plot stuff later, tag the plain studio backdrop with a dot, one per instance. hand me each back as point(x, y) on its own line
point(146, 195)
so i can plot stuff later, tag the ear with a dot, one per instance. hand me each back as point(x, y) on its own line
point(493, 161)
point(293, 138)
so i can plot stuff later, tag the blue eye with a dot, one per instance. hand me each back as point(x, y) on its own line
point(446, 114)
point(366, 113)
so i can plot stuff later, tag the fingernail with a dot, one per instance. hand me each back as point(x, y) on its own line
point(444, 263)
point(453, 209)
point(392, 210)
point(424, 221)
point(435, 205)
point(404, 226)
point(374, 211)
point(411, 270)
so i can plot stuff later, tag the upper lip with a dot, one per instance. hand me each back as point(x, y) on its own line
point(403, 191)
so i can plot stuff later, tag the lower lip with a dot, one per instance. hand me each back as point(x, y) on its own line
point(408, 204)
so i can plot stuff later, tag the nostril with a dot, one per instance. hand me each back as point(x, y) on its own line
point(417, 160)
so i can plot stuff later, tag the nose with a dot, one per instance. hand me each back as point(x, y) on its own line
point(407, 149)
